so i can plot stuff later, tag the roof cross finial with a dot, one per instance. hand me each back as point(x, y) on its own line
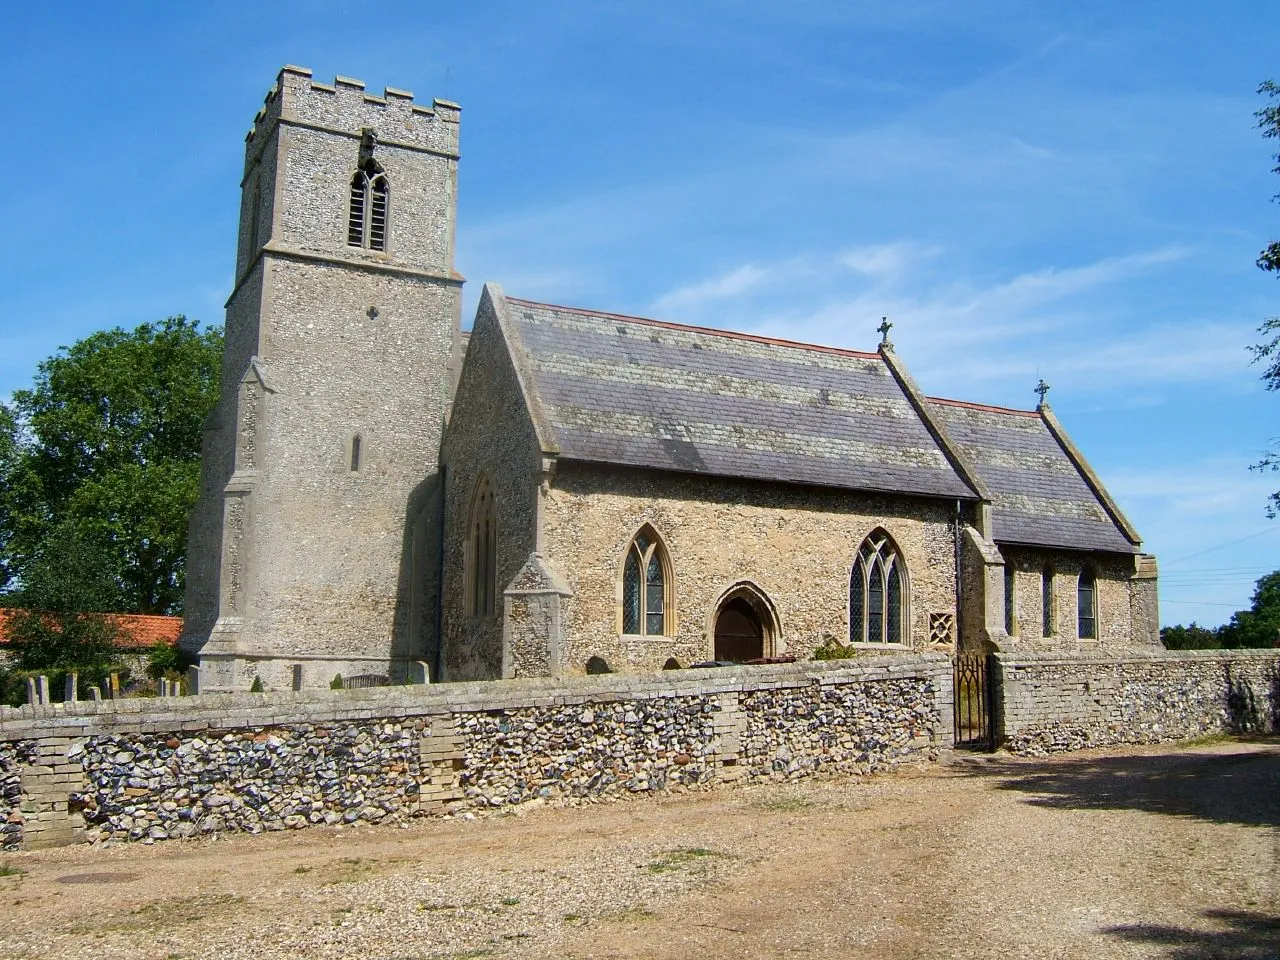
point(1042, 388)
point(884, 328)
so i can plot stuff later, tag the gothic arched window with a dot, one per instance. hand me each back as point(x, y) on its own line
point(877, 592)
point(1087, 605)
point(481, 559)
point(369, 211)
point(645, 583)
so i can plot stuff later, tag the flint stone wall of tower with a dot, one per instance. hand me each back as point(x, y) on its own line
point(296, 558)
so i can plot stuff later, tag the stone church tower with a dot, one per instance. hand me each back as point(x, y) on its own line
point(315, 546)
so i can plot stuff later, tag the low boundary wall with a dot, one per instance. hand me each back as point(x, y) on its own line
point(1047, 703)
point(179, 767)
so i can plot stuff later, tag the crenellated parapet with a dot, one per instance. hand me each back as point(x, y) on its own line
point(345, 106)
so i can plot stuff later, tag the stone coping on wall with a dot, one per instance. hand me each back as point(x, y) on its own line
point(237, 710)
point(1017, 658)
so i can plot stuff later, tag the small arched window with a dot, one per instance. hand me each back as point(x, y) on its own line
point(1046, 601)
point(1010, 599)
point(1087, 605)
point(480, 562)
point(877, 592)
point(369, 211)
point(645, 584)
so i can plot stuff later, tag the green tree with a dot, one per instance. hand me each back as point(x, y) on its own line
point(1259, 626)
point(1268, 351)
point(107, 441)
point(66, 586)
point(1193, 637)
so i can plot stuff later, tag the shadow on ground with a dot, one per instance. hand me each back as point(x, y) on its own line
point(1241, 936)
point(1236, 784)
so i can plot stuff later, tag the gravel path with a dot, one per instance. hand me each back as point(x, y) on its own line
point(1169, 852)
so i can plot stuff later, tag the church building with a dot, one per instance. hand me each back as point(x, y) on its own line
point(567, 490)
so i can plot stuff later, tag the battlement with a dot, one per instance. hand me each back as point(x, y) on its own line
point(346, 106)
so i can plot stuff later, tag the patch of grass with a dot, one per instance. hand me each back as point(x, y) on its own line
point(510, 901)
point(682, 859)
point(348, 870)
point(786, 804)
point(571, 917)
point(1208, 740)
point(302, 869)
point(9, 870)
point(430, 907)
point(163, 914)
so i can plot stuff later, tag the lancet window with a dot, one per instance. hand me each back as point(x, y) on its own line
point(645, 584)
point(480, 566)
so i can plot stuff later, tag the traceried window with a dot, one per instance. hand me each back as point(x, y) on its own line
point(1046, 601)
point(877, 592)
point(1087, 605)
point(369, 206)
point(645, 581)
point(480, 562)
point(368, 212)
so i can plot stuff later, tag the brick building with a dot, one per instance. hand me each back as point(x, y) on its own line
point(568, 489)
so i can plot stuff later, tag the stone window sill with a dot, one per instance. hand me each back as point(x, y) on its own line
point(646, 637)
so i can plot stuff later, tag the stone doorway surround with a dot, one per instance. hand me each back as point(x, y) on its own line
point(744, 625)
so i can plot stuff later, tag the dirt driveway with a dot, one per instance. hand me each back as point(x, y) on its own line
point(1169, 852)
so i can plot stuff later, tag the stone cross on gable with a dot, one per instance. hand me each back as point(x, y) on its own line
point(1042, 388)
point(884, 328)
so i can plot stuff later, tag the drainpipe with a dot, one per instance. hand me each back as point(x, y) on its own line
point(959, 579)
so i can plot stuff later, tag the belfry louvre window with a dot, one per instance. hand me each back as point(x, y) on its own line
point(369, 211)
point(1087, 605)
point(645, 581)
point(481, 559)
point(877, 592)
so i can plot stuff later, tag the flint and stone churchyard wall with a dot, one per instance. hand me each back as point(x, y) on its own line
point(194, 766)
point(178, 767)
point(1052, 702)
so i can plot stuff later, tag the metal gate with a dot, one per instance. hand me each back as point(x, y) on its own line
point(974, 726)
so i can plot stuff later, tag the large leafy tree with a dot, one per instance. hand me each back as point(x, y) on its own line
point(1259, 626)
point(1268, 351)
point(107, 444)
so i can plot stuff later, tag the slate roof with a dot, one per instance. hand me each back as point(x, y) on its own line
point(1040, 495)
point(625, 390)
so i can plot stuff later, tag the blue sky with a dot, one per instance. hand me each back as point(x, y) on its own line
point(1068, 191)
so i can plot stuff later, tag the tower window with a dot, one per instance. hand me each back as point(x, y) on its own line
point(369, 204)
point(356, 444)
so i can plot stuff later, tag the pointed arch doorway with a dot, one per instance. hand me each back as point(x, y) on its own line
point(745, 626)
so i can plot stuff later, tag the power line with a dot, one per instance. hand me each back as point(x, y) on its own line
point(1260, 533)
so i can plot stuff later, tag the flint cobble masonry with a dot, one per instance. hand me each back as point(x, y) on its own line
point(161, 787)
point(151, 770)
point(1051, 703)
point(838, 729)
point(12, 757)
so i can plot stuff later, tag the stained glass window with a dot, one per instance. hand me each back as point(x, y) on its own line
point(1087, 605)
point(644, 596)
point(876, 593)
point(1046, 601)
